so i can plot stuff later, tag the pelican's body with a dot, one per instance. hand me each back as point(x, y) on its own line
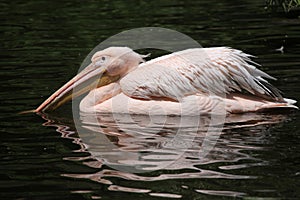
point(190, 105)
point(190, 82)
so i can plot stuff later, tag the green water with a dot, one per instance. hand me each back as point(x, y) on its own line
point(42, 46)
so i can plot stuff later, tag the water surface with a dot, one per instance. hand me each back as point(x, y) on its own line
point(44, 157)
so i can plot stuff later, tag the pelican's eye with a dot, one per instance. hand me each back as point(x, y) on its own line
point(100, 60)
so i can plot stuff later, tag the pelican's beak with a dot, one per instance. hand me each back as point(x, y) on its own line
point(90, 78)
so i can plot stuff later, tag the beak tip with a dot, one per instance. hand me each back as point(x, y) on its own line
point(27, 111)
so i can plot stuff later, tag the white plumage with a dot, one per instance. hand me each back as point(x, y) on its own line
point(213, 71)
point(189, 82)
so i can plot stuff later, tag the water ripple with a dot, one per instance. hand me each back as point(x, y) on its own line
point(137, 151)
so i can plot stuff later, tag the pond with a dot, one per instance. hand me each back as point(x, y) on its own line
point(43, 44)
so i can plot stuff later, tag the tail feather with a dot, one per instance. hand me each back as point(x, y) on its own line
point(240, 103)
point(289, 103)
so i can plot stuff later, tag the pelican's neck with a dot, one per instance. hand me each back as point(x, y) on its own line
point(130, 68)
point(99, 95)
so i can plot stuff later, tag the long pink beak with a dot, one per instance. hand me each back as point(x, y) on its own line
point(90, 78)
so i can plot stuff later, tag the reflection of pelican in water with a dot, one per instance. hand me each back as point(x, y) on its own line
point(189, 82)
point(121, 146)
point(141, 143)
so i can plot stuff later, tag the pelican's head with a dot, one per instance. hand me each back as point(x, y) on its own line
point(107, 66)
point(117, 61)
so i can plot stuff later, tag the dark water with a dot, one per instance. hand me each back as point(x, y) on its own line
point(45, 157)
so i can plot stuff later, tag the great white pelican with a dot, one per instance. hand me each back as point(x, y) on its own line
point(188, 82)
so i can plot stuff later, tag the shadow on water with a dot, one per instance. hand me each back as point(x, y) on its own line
point(152, 149)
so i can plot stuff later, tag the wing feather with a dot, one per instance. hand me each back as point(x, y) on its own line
point(208, 71)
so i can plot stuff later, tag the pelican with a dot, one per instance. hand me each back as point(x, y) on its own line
point(189, 82)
